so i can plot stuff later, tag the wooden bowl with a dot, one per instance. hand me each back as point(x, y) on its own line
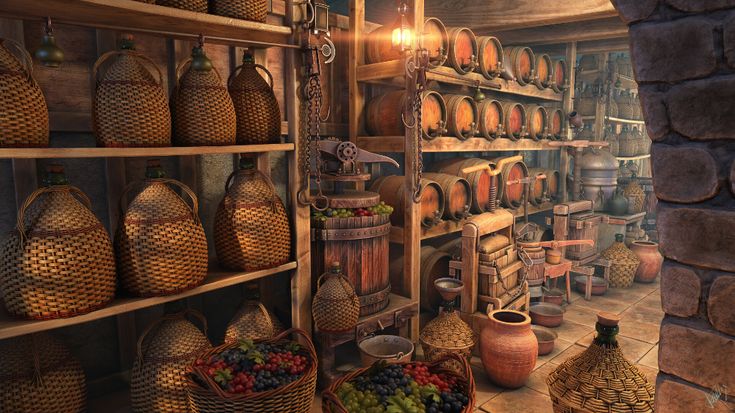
point(546, 314)
point(599, 286)
point(546, 338)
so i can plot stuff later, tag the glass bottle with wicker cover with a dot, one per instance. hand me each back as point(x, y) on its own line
point(202, 110)
point(254, 10)
point(23, 111)
point(336, 306)
point(160, 244)
point(624, 263)
point(600, 379)
point(256, 107)
point(59, 260)
point(166, 348)
point(251, 229)
point(199, 6)
point(130, 108)
point(253, 320)
point(39, 374)
point(635, 195)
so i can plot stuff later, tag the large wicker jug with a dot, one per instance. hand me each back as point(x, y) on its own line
point(336, 306)
point(202, 110)
point(445, 334)
point(160, 244)
point(251, 229)
point(165, 350)
point(254, 10)
point(635, 194)
point(59, 260)
point(623, 263)
point(258, 115)
point(23, 111)
point(191, 5)
point(253, 321)
point(130, 106)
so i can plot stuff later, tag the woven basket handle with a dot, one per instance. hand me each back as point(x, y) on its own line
point(234, 72)
point(466, 369)
point(182, 65)
point(106, 56)
point(298, 332)
point(331, 403)
point(175, 316)
point(194, 208)
point(20, 222)
point(25, 58)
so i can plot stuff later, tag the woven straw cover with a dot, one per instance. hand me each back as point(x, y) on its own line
point(23, 111)
point(255, 10)
point(165, 350)
point(160, 244)
point(336, 306)
point(447, 333)
point(258, 114)
point(63, 264)
point(130, 106)
point(624, 264)
point(251, 229)
point(39, 374)
point(253, 321)
point(191, 5)
point(202, 110)
point(635, 193)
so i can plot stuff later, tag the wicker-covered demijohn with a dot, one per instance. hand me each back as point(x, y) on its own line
point(160, 244)
point(253, 321)
point(600, 379)
point(336, 306)
point(635, 194)
point(191, 5)
point(254, 10)
point(445, 334)
point(59, 261)
point(23, 111)
point(623, 263)
point(258, 114)
point(39, 374)
point(201, 107)
point(130, 107)
point(165, 351)
point(251, 229)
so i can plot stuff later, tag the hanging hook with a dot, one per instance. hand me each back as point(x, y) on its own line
point(403, 119)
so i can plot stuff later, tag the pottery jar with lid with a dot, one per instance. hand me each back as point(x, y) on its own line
point(599, 176)
point(508, 348)
point(651, 260)
point(336, 306)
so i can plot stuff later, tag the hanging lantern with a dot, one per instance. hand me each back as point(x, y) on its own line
point(49, 54)
point(402, 35)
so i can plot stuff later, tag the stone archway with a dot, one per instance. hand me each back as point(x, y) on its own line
point(683, 54)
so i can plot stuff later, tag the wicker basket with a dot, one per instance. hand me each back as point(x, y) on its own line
point(636, 196)
point(23, 111)
point(446, 334)
point(165, 350)
point(59, 260)
point(332, 404)
point(258, 115)
point(130, 106)
point(336, 306)
point(255, 10)
point(202, 110)
point(191, 5)
point(160, 244)
point(295, 397)
point(39, 374)
point(253, 321)
point(251, 229)
point(624, 263)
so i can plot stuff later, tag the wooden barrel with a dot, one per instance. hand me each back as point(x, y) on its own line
point(511, 196)
point(490, 119)
point(560, 75)
point(521, 62)
point(515, 120)
point(434, 265)
point(484, 186)
point(556, 122)
point(539, 188)
point(461, 116)
point(490, 56)
point(537, 122)
point(383, 114)
point(457, 194)
point(544, 71)
point(535, 272)
point(363, 253)
point(552, 184)
point(435, 40)
point(391, 190)
point(462, 49)
point(379, 45)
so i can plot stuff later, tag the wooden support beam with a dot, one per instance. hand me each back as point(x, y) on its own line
point(568, 106)
point(606, 45)
point(609, 28)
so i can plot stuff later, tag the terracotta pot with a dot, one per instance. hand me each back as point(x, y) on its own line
point(545, 337)
point(651, 260)
point(554, 296)
point(546, 314)
point(508, 348)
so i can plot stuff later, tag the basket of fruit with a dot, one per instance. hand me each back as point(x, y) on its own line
point(404, 387)
point(266, 376)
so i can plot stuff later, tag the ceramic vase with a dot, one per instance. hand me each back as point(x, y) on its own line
point(508, 348)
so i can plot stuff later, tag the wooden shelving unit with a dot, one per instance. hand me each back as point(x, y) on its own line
point(449, 144)
point(60, 153)
point(633, 158)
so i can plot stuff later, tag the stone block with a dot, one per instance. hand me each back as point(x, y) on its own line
point(654, 111)
point(732, 178)
point(702, 109)
point(700, 5)
point(683, 174)
point(728, 39)
point(634, 10)
point(680, 291)
point(675, 397)
point(719, 304)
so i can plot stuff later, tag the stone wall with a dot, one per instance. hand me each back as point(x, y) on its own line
point(683, 54)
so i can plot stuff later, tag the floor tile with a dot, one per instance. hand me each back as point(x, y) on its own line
point(647, 332)
point(537, 380)
point(634, 350)
point(571, 331)
point(643, 314)
point(484, 388)
point(521, 400)
point(651, 358)
point(559, 346)
point(649, 372)
point(603, 303)
point(539, 362)
point(626, 295)
point(586, 340)
point(581, 315)
point(568, 353)
point(652, 300)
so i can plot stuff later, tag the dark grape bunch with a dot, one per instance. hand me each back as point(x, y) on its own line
point(251, 368)
point(391, 388)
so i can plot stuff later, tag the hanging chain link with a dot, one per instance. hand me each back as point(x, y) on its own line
point(417, 113)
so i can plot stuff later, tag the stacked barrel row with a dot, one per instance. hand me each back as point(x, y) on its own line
point(462, 117)
point(461, 49)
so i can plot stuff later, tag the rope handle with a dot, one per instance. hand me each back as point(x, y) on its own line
point(180, 67)
point(26, 61)
point(194, 208)
point(256, 65)
point(167, 317)
point(105, 56)
point(20, 222)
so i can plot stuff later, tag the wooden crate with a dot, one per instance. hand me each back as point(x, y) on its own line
point(496, 286)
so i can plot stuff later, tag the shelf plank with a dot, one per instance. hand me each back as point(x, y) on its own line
point(44, 153)
point(609, 28)
point(134, 16)
point(633, 158)
point(395, 144)
point(11, 327)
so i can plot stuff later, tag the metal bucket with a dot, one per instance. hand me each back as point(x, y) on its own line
point(393, 349)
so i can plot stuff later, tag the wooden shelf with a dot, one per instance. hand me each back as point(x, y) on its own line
point(533, 209)
point(633, 158)
point(392, 72)
point(134, 16)
point(625, 219)
point(38, 153)
point(11, 327)
point(388, 144)
point(627, 121)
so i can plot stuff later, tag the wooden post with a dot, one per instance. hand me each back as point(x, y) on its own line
point(356, 57)
point(568, 105)
point(601, 107)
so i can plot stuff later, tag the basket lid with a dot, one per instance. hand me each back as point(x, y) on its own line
point(19, 355)
point(448, 331)
point(173, 338)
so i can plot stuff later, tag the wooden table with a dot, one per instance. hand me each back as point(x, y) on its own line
point(563, 269)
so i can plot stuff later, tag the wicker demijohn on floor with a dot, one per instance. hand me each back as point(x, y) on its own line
point(447, 333)
point(253, 321)
point(255, 10)
point(601, 380)
point(160, 244)
point(23, 111)
point(59, 260)
point(165, 350)
point(39, 374)
point(336, 306)
point(624, 263)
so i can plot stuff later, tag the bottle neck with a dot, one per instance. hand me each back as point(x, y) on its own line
point(606, 335)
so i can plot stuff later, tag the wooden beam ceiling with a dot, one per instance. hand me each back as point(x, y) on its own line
point(609, 28)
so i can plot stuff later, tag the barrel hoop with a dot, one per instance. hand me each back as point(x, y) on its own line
point(350, 234)
point(374, 298)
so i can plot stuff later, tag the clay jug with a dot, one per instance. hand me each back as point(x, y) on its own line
point(508, 348)
point(651, 260)
point(618, 204)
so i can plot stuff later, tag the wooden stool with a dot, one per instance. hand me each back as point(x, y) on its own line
point(563, 269)
point(589, 272)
